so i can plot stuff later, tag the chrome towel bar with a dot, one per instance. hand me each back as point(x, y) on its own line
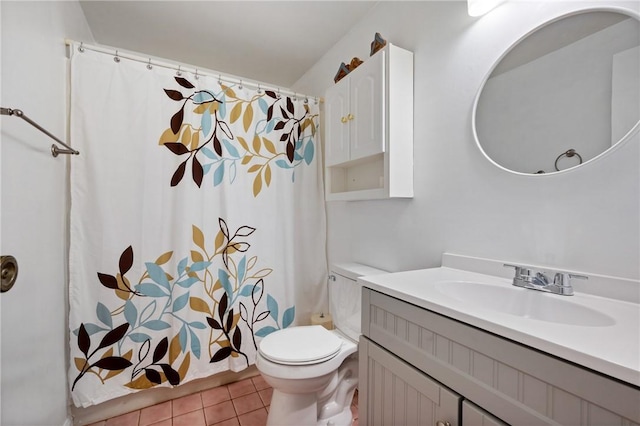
point(55, 150)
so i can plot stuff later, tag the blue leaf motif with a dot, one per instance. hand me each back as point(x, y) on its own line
point(188, 282)
point(130, 313)
point(205, 123)
point(246, 290)
point(271, 125)
point(283, 164)
point(263, 105)
point(198, 325)
point(272, 305)
point(298, 144)
point(288, 316)
point(218, 175)
point(222, 107)
point(151, 290)
point(264, 331)
point(180, 302)
point(156, 325)
point(242, 268)
point(195, 344)
point(206, 168)
point(209, 153)
point(199, 266)
point(157, 275)
point(139, 337)
point(202, 97)
point(230, 148)
point(223, 276)
point(308, 152)
point(182, 336)
point(91, 329)
point(181, 265)
point(104, 315)
point(296, 156)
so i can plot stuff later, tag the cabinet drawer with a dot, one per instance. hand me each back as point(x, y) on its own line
point(391, 392)
point(516, 383)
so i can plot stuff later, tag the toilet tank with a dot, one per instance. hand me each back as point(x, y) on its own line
point(345, 298)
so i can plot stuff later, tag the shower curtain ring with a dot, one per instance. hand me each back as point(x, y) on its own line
point(196, 76)
point(240, 86)
point(116, 58)
point(259, 89)
point(149, 66)
point(81, 47)
point(278, 93)
point(220, 79)
point(178, 73)
point(315, 101)
point(306, 100)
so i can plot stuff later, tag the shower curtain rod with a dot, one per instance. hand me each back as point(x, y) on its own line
point(179, 68)
point(54, 148)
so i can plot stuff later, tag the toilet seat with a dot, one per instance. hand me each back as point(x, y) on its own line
point(303, 345)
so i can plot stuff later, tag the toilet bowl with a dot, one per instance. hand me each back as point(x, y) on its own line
point(314, 371)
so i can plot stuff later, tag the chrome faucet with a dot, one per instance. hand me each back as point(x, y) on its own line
point(561, 283)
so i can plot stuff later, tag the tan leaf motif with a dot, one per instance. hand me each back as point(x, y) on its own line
point(200, 109)
point(79, 362)
point(247, 119)
point(252, 262)
point(236, 112)
point(199, 305)
point(198, 236)
point(254, 168)
point(228, 91)
point(246, 159)
point(267, 175)
point(262, 273)
point(184, 367)
point(219, 240)
point(243, 143)
point(164, 258)
point(175, 348)
point(256, 144)
point(269, 145)
point(168, 137)
point(217, 286)
point(257, 185)
point(196, 256)
point(186, 136)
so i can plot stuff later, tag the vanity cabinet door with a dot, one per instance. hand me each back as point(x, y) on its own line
point(472, 415)
point(392, 392)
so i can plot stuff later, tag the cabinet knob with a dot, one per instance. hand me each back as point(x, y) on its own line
point(350, 116)
point(443, 423)
point(343, 119)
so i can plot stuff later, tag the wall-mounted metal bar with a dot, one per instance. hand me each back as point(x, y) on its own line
point(55, 150)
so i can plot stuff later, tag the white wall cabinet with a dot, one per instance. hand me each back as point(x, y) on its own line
point(498, 381)
point(369, 129)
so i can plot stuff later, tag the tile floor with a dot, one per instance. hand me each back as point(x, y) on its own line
point(243, 403)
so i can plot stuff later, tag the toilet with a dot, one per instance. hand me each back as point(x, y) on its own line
point(314, 371)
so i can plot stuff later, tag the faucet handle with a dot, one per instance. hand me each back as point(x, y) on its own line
point(521, 271)
point(563, 281)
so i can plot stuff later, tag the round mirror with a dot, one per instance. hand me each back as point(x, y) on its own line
point(563, 95)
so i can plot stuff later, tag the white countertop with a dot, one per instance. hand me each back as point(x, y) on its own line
point(612, 349)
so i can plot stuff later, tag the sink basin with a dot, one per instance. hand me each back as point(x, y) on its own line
point(524, 303)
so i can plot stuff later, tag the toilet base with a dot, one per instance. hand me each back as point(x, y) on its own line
point(302, 410)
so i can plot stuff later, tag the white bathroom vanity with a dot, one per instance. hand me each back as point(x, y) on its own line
point(448, 346)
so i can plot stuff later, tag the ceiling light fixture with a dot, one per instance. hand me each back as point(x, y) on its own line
point(480, 7)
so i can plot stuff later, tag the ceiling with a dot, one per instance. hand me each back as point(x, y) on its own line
point(274, 42)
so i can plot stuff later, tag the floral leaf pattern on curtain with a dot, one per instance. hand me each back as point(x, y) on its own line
point(217, 275)
point(201, 134)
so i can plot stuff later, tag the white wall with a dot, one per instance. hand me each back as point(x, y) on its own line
point(586, 219)
point(34, 202)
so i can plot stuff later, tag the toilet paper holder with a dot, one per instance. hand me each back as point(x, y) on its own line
point(9, 273)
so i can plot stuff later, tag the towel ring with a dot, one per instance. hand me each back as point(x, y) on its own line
point(568, 153)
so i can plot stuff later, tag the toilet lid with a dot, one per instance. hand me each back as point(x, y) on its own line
point(300, 345)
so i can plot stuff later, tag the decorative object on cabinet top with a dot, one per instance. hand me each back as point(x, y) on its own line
point(377, 43)
point(344, 69)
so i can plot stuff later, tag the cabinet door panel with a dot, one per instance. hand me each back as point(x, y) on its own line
point(367, 120)
point(337, 139)
point(472, 415)
point(395, 393)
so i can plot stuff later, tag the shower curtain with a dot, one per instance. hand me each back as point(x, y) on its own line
point(197, 224)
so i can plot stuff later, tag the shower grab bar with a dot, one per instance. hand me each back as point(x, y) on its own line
point(55, 150)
